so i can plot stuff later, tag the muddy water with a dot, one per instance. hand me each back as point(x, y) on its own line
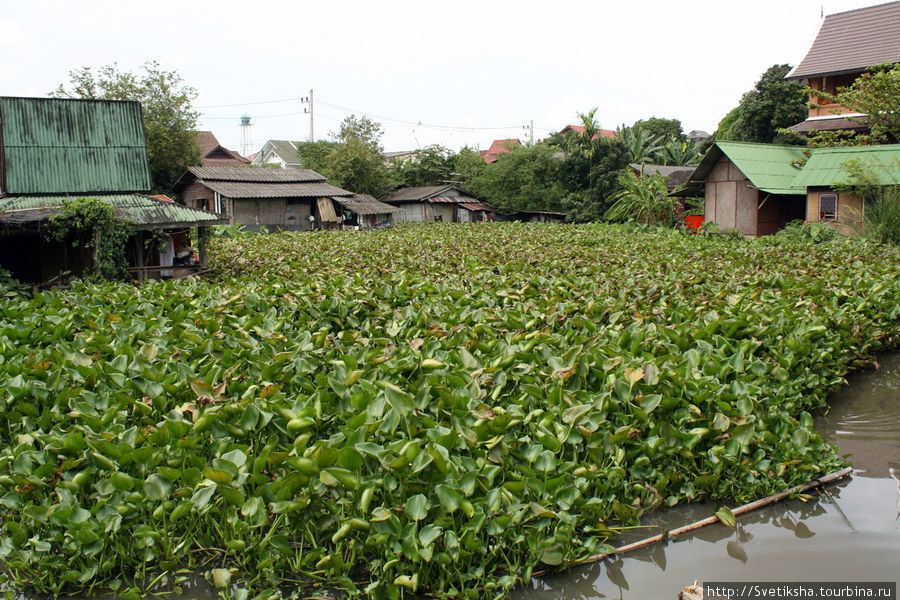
point(852, 533)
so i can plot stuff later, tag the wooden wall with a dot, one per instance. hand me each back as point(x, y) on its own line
point(848, 219)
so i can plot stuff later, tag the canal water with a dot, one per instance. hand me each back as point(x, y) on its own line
point(851, 534)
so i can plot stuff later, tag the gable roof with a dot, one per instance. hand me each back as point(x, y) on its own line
point(248, 182)
point(364, 204)
point(285, 149)
point(850, 41)
point(429, 193)
point(259, 175)
point(826, 166)
point(768, 166)
point(60, 146)
point(213, 154)
point(139, 209)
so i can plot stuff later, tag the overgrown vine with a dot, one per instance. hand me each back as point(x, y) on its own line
point(92, 223)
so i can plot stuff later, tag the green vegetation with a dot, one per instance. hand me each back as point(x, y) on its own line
point(436, 408)
point(92, 223)
point(772, 105)
point(881, 213)
point(169, 119)
point(644, 199)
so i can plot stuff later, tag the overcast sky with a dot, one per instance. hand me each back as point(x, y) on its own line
point(457, 72)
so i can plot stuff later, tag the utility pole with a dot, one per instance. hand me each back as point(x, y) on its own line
point(530, 129)
point(309, 110)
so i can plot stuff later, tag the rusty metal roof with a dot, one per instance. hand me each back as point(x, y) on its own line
point(850, 41)
point(241, 189)
point(477, 206)
point(67, 146)
point(364, 204)
point(254, 174)
point(145, 212)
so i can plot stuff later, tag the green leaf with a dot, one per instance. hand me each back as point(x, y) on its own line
point(726, 516)
point(416, 507)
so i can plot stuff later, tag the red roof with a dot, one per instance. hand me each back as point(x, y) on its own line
point(580, 129)
point(498, 147)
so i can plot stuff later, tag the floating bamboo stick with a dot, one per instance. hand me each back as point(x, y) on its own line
point(797, 489)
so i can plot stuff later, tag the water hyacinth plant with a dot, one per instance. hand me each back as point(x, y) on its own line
point(425, 410)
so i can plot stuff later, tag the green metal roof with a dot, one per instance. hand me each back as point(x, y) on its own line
point(767, 166)
point(65, 146)
point(826, 166)
point(145, 212)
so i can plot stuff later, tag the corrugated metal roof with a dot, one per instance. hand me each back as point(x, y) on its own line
point(139, 209)
point(364, 204)
point(240, 189)
point(826, 166)
point(250, 174)
point(477, 206)
point(448, 199)
point(768, 166)
point(416, 193)
point(850, 41)
point(54, 146)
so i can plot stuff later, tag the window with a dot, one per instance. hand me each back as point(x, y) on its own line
point(203, 203)
point(219, 203)
point(827, 207)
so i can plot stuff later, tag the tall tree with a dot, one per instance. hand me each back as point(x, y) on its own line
point(662, 128)
point(466, 165)
point(773, 104)
point(525, 178)
point(356, 163)
point(428, 166)
point(169, 119)
point(314, 155)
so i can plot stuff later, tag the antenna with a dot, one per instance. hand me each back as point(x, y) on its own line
point(246, 138)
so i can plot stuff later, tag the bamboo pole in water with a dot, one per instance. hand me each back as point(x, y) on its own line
point(797, 489)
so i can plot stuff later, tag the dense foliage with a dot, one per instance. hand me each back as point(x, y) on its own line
point(436, 408)
point(169, 118)
point(93, 224)
point(772, 105)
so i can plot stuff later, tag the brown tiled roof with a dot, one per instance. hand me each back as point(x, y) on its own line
point(364, 204)
point(242, 189)
point(213, 154)
point(850, 41)
point(255, 174)
point(835, 124)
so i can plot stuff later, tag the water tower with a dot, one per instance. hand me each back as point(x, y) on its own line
point(246, 138)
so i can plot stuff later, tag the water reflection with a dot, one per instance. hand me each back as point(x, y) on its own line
point(795, 540)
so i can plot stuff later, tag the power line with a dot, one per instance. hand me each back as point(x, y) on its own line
point(247, 103)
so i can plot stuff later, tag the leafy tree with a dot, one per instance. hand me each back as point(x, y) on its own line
point(643, 199)
point(590, 170)
point(526, 178)
point(314, 155)
point(772, 105)
point(876, 94)
point(662, 128)
point(169, 119)
point(429, 166)
point(466, 165)
point(356, 163)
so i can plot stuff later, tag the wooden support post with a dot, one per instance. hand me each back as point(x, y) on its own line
point(201, 244)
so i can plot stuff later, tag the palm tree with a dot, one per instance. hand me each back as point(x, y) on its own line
point(643, 199)
point(679, 153)
point(643, 147)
